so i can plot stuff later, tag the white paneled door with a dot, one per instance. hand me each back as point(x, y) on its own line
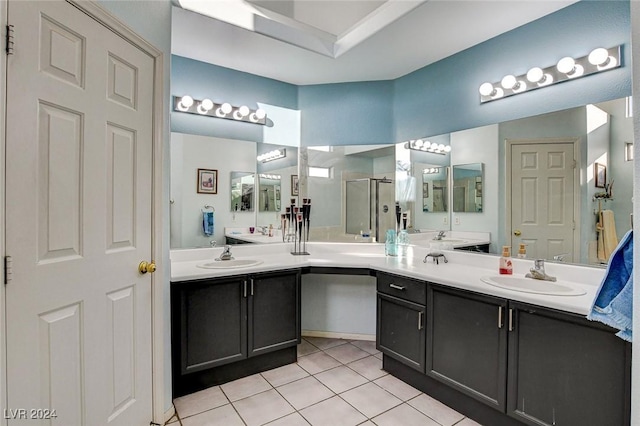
point(78, 196)
point(542, 199)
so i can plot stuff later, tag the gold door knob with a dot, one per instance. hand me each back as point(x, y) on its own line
point(517, 233)
point(145, 267)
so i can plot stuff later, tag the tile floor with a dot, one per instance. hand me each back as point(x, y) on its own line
point(334, 383)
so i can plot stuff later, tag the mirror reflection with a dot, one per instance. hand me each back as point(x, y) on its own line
point(269, 192)
point(600, 134)
point(242, 191)
point(467, 188)
point(435, 191)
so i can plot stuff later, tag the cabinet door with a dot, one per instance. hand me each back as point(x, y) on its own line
point(401, 330)
point(467, 343)
point(213, 323)
point(565, 370)
point(274, 312)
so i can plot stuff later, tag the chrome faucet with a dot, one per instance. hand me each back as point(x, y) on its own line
point(263, 230)
point(226, 254)
point(440, 236)
point(538, 273)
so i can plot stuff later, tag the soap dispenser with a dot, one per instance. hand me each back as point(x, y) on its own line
point(522, 251)
point(506, 266)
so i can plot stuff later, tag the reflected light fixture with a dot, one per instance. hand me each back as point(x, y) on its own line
point(272, 155)
point(567, 68)
point(427, 146)
point(209, 108)
point(431, 171)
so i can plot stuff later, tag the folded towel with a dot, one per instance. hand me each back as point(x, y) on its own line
point(613, 304)
point(207, 223)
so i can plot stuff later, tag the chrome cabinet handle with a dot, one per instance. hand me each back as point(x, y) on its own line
point(397, 287)
point(420, 316)
point(510, 319)
point(245, 288)
point(500, 324)
point(252, 286)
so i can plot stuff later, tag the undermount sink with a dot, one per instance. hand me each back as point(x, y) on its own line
point(449, 240)
point(530, 285)
point(233, 263)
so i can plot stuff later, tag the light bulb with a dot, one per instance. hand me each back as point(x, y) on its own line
point(418, 143)
point(486, 89)
point(427, 144)
point(205, 106)
point(244, 110)
point(509, 81)
point(598, 56)
point(185, 103)
point(566, 65)
point(441, 147)
point(447, 148)
point(535, 74)
point(226, 108)
point(260, 113)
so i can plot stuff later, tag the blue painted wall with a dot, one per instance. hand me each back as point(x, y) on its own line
point(202, 80)
point(347, 113)
point(443, 96)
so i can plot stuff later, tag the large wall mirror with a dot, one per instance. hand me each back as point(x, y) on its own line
point(599, 134)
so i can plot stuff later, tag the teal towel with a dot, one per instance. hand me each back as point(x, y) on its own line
point(207, 223)
point(613, 304)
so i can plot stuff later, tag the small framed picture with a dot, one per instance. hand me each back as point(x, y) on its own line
point(207, 181)
point(601, 175)
point(295, 189)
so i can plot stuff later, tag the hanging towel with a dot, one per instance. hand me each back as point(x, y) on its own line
point(613, 304)
point(207, 223)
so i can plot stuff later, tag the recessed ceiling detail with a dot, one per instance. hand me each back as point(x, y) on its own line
point(257, 17)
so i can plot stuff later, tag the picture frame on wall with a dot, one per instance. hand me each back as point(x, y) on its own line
point(600, 171)
point(207, 181)
point(295, 189)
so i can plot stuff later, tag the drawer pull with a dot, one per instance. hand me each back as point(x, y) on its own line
point(245, 288)
point(397, 287)
point(420, 316)
point(252, 286)
point(500, 323)
point(510, 319)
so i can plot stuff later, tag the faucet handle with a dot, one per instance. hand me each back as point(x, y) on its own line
point(539, 263)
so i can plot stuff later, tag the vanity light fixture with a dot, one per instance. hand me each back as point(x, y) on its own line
point(272, 155)
point(427, 146)
point(222, 110)
point(272, 177)
point(567, 68)
point(431, 171)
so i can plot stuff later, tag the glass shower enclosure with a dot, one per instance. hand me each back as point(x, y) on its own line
point(370, 205)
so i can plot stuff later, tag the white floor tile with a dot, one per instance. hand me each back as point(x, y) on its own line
point(199, 402)
point(324, 342)
point(305, 392)
point(369, 367)
point(403, 415)
point(435, 409)
point(397, 387)
point(467, 422)
point(294, 419)
point(341, 379)
point(221, 416)
point(283, 375)
point(318, 362)
point(263, 408)
point(245, 387)
point(366, 345)
point(306, 348)
point(333, 412)
point(370, 399)
point(346, 353)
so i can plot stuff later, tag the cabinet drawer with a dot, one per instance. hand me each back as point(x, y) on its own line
point(404, 288)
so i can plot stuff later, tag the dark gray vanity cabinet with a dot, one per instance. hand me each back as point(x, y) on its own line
point(226, 328)
point(401, 331)
point(273, 312)
point(565, 370)
point(467, 343)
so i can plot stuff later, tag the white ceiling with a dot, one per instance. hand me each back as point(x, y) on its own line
point(326, 41)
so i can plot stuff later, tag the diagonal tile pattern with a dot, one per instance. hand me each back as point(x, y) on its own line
point(335, 382)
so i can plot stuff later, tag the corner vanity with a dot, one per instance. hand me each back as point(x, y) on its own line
point(501, 356)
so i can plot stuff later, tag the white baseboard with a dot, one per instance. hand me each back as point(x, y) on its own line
point(169, 413)
point(334, 335)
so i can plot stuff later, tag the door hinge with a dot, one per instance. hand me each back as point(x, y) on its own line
point(9, 40)
point(8, 269)
point(575, 164)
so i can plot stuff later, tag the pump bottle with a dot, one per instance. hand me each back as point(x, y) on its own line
point(506, 266)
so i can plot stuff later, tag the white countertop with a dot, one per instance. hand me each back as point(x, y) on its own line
point(463, 270)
